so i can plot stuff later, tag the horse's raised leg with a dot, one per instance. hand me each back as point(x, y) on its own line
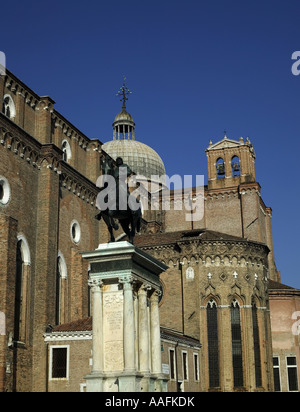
point(109, 226)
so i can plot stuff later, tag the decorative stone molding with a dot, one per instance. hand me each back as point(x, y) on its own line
point(72, 133)
point(68, 336)
point(215, 252)
point(38, 155)
point(78, 185)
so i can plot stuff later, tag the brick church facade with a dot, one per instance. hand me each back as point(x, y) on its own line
point(222, 281)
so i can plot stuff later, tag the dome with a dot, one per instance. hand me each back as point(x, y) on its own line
point(142, 159)
point(123, 116)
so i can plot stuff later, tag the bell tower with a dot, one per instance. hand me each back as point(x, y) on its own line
point(230, 163)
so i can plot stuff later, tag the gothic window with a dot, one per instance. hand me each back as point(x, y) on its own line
point(8, 107)
point(67, 154)
point(235, 166)
point(220, 165)
point(21, 289)
point(18, 293)
point(257, 359)
point(61, 276)
point(4, 191)
point(213, 344)
point(236, 339)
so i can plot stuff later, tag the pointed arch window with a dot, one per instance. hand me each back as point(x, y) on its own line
point(18, 292)
point(236, 339)
point(257, 358)
point(21, 289)
point(61, 276)
point(66, 148)
point(213, 344)
point(8, 107)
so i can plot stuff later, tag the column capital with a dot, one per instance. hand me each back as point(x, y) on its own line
point(144, 288)
point(156, 294)
point(127, 281)
point(95, 283)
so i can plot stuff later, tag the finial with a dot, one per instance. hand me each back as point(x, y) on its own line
point(124, 92)
point(225, 134)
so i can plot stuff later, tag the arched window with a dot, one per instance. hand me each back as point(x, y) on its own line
point(213, 344)
point(61, 276)
point(236, 339)
point(67, 154)
point(257, 359)
point(235, 166)
point(21, 289)
point(8, 107)
point(220, 165)
point(4, 191)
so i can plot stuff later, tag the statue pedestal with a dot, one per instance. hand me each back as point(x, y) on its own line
point(126, 328)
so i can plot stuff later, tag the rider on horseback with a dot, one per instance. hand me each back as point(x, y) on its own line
point(118, 202)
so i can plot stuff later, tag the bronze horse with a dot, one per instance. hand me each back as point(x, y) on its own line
point(114, 197)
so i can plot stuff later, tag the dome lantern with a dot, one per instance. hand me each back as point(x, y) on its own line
point(142, 159)
point(123, 124)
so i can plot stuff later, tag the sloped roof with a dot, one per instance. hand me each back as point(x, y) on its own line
point(167, 238)
point(226, 143)
point(76, 326)
point(175, 336)
point(280, 286)
point(86, 325)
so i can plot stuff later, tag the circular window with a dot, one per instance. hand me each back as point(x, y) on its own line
point(75, 232)
point(4, 191)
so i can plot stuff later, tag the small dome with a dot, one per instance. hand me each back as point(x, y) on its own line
point(123, 116)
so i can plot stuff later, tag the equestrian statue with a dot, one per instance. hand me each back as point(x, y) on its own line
point(115, 201)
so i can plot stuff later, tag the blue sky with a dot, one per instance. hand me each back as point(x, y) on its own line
point(196, 68)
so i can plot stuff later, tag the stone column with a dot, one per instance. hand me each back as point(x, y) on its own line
point(155, 333)
point(94, 381)
point(97, 326)
point(129, 341)
point(144, 355)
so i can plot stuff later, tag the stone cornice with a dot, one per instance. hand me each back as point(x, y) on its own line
point(16, 86)
point(22, 144)
point(78, 184)
point(30, 150)
point(251, 253)
point(73, 133)
point(68, 336)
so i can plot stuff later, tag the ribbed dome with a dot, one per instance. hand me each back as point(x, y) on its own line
point(142, 159)
point(123, 116)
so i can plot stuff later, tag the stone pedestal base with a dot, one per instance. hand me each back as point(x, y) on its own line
point(123, 382)
point(130, 382)
point(126, 328)
point(94, 382)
